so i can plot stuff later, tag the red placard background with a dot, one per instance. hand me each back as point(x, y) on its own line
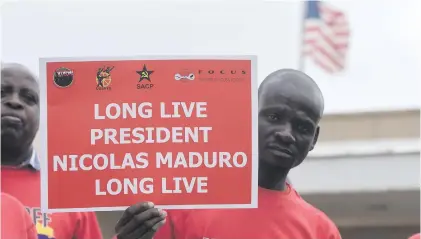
point(70, 115)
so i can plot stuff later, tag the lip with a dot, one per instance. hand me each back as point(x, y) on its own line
point(280, 154)
point(279, 150)
point(12, 118)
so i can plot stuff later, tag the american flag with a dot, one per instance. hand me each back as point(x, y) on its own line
point(325, 36)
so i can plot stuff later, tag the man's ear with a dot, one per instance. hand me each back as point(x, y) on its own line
point(316, 137)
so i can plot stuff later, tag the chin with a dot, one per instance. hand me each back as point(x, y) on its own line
point(10, 138)
point(277, 162)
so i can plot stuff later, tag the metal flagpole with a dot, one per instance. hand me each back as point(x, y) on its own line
point(301, 63)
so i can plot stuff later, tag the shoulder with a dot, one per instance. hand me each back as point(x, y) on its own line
point(326, 228)
point(10, 206)
point(312, 211)
point(10, 202)
point(18, 224)
point(416, 236)
point(6, 198)
point(307, 208)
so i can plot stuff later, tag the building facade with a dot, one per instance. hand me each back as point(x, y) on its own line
point(364, 173)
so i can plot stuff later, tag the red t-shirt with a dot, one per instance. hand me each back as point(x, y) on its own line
point(416, 236)
point(24, 184)
point(281, 215)
point(175, 220)
point(15, 221)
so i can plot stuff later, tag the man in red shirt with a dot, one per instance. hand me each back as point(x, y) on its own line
point(15, 221)
point(20, 174)
point(290, 108)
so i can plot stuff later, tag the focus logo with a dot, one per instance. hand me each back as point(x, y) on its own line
point(221, 75)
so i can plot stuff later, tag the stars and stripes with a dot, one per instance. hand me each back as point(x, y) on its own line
point(325, 36)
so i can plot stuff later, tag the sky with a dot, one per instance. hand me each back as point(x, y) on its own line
point(382, 65)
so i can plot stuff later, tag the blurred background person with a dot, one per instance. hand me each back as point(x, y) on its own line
point(15, 220)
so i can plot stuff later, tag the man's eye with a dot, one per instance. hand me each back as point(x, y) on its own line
point(30, 98)
point(273, 117)
point(303, 128)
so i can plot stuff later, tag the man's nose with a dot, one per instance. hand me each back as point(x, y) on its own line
point(284, 134)
point(14, 102)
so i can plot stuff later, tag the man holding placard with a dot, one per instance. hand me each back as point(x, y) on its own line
point(290, 108)
point(20, 175)
point(159, 128)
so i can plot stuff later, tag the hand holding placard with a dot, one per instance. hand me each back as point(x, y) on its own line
point(140, 219)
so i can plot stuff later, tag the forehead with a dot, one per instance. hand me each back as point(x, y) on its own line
point(302, 99)
point(18, 78)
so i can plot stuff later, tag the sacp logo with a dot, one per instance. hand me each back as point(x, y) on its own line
point(184, 75)
point(145, 75)
point(224, 75)
point(63, 77)
point(103, 78)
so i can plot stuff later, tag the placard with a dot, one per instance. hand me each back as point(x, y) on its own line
point(178, 131)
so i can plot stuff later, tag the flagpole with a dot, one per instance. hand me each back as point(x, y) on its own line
point(301, 60)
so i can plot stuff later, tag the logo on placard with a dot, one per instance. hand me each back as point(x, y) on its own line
point(63, 77)
point(222, 75)
point(145, 75)
point(103, 78)
point(184, 75)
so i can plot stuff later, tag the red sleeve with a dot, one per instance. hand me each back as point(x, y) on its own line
point(31, 229)
point(328, 229)
point(88, 227)
point(333, 233)
point(16, 221)
point(416, 236)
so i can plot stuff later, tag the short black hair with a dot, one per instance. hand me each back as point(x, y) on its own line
point(296, 75)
